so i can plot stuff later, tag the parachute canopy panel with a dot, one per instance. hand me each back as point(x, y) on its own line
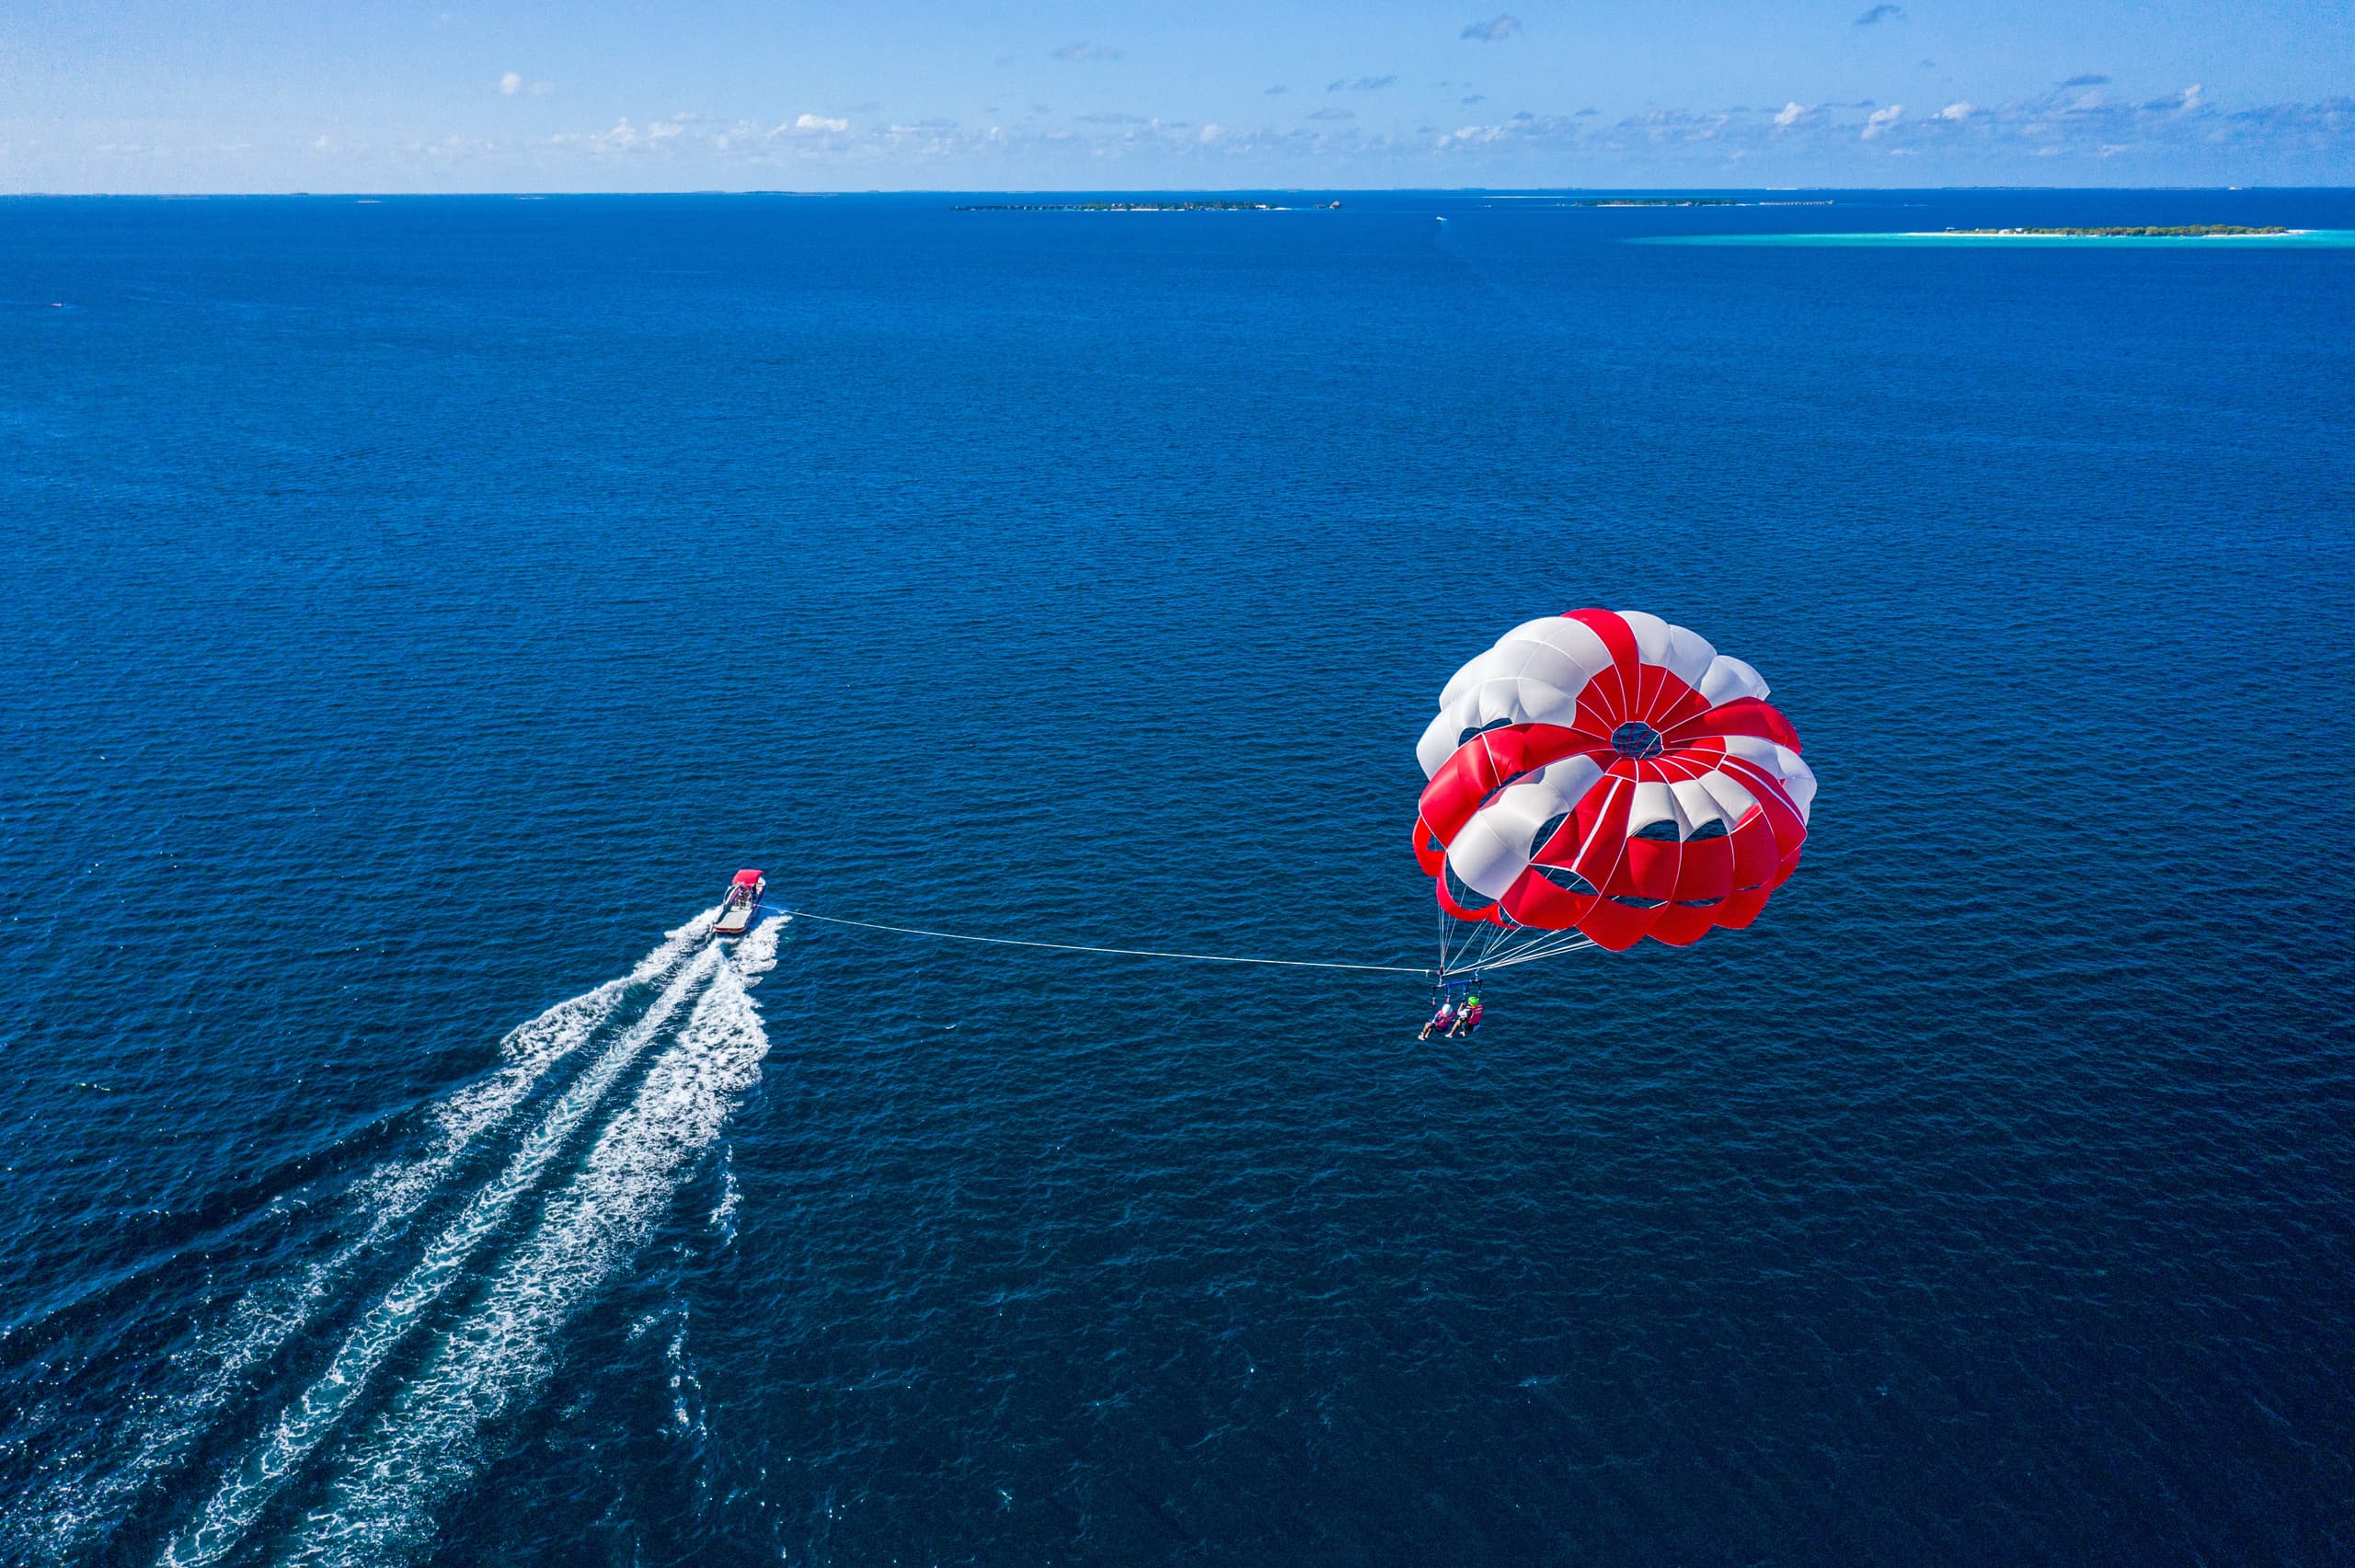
point(1608, 775)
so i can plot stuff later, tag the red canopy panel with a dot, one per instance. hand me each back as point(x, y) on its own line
point(1607, 773)
point(746, 878)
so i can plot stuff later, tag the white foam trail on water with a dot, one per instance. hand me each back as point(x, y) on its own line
point(208, 1376)
point(425, 1444)
point(756, 955)
point(391, 1195)
point(300, 1429)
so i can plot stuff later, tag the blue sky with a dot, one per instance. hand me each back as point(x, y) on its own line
point(454, 95)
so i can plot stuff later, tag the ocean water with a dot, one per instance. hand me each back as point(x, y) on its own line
point(415, 610)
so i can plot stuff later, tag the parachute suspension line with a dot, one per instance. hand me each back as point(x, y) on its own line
point(1559, 942)
point(1116, 952)
point(1450, 946)
point(1489, 941)
point(1494, 946)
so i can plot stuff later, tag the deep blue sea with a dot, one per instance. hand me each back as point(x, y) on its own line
point(413, 610)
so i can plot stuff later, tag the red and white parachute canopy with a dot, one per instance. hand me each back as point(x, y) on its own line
point(1600, 777)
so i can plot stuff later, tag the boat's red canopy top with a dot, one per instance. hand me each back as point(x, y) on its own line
point(746, 878)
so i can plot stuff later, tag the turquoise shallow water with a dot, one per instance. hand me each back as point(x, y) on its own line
point(2308, 239)
point(416, 609)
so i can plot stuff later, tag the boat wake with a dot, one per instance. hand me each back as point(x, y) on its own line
point(533, 1187)
point(422, 1445)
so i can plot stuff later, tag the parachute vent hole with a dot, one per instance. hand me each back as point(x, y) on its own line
point(1545, 834)
point(1714, 827)
point(1662, 831)
point(1465, 738)
point(1637, 740)
point(1562, 876)
point(1636, 903)
point(1502, 785)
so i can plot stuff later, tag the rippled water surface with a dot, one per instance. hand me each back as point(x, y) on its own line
point(413, 611)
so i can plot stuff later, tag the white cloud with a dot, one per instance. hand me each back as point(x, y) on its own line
point(1494, 29)
point(511, 83)
point(1796, 140)
point(622, 138)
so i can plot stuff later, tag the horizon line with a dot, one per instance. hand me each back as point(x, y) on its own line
point(1135, 190)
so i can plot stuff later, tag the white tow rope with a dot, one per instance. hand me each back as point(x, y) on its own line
point(1116, 952)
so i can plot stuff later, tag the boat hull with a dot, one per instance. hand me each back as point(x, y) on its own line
point(737, 917)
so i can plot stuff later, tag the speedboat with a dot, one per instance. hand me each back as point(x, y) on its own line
point(743, 902)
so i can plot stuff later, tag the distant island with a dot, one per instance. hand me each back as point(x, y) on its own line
point(1135, 207)
point(1657, 202)
point(2184, 231)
